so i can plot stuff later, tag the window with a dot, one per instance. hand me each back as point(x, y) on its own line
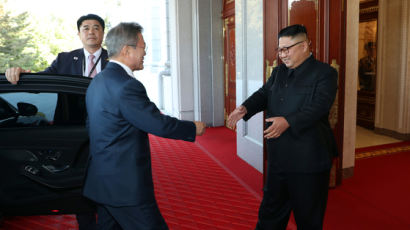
point(28, 109)
point(7, 111)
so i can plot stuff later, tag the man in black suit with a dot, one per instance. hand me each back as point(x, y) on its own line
point(119, 177)
point(78, 62)
point(300, 143)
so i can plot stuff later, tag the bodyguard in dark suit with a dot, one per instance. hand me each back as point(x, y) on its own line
point(91, 33)
point(74, 63)
point(121, 115)
point(78, 62)
point(300, 143)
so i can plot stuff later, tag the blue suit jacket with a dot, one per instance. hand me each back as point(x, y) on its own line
point(120, 118)
point(72, 62)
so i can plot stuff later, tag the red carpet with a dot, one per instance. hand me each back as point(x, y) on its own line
point(380, 150)
point(385, 146)
point(376, 197)
point(195, 192)
point(193, 188)
point(220, 143)
point(58, 222)
point(204, 185)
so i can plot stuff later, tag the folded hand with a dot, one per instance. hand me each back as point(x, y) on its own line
point(279, 125)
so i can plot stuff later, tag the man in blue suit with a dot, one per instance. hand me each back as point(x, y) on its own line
point(300, 143)
point(77, 62)
point(119, 177)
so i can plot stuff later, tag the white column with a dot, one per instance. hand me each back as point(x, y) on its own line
point(196, 66)
point(352, 39)
point(180, 12)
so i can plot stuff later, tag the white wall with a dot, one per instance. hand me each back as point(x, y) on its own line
point(180, 13)
point(393, 71)
point(196, 64)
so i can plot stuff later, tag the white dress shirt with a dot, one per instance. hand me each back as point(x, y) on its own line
point(87, 69)
point(126, 68)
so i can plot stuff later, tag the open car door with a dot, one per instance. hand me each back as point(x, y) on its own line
point(44, 145)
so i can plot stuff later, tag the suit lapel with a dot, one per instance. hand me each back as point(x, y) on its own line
point(78, 62)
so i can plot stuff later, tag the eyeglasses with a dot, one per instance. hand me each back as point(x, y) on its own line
point(285, 50)
point(145, 48)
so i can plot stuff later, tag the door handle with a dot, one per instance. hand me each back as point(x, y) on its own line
point(55, 169)
point(50, 155)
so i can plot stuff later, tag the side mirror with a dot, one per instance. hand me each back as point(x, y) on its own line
point(26, 109)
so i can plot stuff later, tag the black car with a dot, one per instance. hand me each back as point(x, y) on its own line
point(44, 145)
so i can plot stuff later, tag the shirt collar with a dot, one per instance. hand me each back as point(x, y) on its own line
point(96, 54)
point(125, 67)
point(304, 65)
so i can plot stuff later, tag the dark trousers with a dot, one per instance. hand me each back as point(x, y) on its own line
point(142, 217)
point(86, 221)
point(303, 193)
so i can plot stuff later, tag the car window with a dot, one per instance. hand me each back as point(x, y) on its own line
point(25, 109)
point(7, 111)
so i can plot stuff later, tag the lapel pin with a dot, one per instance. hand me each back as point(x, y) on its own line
point(76, 58)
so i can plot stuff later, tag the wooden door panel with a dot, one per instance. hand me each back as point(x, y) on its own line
point(229, 64)
point(231, 52)
point(306, 13)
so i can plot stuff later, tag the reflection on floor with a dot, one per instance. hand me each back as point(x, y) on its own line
point(366, 137)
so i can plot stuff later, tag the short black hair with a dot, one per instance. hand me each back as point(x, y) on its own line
point(292, 31)
point(90, 17)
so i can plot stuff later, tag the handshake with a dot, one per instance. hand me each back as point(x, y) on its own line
point(233, 118)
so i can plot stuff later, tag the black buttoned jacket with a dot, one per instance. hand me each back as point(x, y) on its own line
point(304, 99)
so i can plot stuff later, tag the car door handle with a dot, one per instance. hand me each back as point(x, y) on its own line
point(52, 155)
point(31, 169)
point(55, 169)
point(65, 180)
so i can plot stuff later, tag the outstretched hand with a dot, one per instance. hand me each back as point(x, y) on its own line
point(279, 125)
point(235, 116)
point(200, 127)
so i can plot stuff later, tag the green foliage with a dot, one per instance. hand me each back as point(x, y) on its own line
point(32, 42)
point(17, 44)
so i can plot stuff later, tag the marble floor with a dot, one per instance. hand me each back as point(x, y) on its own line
point(366, 137)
